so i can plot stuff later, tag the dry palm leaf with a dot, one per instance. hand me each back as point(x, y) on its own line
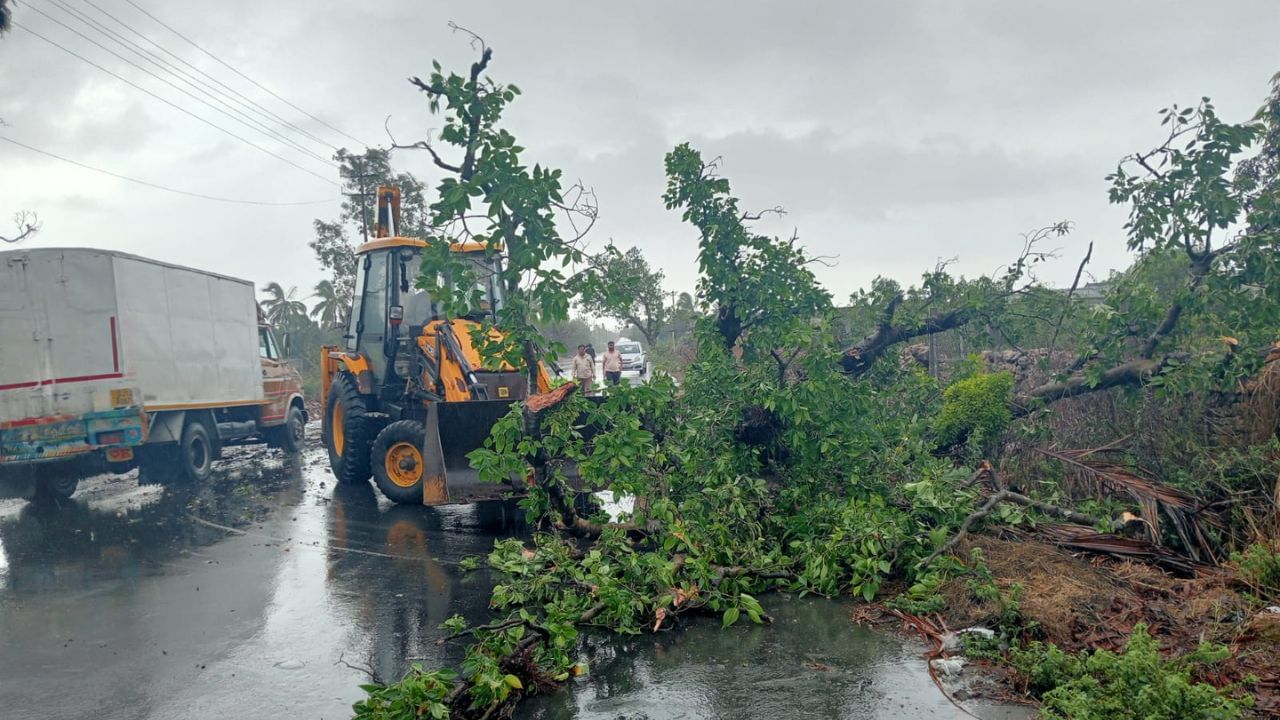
point(1185, 511)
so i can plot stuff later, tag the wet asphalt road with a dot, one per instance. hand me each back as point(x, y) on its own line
point(269, 593)
point(237, 601)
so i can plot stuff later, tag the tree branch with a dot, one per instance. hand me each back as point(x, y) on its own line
point(1135, 372)
point(28, 224)
point(1008, 496)
point(860, 358)
point(1199, 268)
point(421, 144)
point(1053, 342)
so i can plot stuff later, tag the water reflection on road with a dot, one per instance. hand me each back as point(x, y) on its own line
point(268, 592)
point(236, 599)
point(813, 662)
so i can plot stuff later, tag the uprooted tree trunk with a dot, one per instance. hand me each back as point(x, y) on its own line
point(861, 357)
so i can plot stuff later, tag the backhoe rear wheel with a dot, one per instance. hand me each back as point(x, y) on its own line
point(398, 461)
point(348, 431)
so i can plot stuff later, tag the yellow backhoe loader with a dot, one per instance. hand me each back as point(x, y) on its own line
point(408, 395)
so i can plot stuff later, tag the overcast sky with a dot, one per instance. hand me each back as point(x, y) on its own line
point(894, 133)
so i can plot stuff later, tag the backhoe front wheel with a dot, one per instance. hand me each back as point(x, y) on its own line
point(348, 431)
point(398, 461)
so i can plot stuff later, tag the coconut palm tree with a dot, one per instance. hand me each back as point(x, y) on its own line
point(685, 303)
point(331, 308)
point(283, 308)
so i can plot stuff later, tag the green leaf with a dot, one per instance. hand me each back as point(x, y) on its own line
point(513, 682)
point(730, 616)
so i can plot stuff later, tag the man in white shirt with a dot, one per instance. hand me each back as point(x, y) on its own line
point(612, 363)
point(584, 370)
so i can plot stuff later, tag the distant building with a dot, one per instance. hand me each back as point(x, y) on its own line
point(1093, 292)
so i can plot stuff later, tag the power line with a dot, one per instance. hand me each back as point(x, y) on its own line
point(259, 127)
point(222, 62)
point(169, 68)
point(175, 106)
point(156, 186)
point(230, 90)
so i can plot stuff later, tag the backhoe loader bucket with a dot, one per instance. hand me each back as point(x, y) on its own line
point(454, 430)
point(463, 427)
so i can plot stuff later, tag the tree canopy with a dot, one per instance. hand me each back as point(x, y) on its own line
point(623, 287)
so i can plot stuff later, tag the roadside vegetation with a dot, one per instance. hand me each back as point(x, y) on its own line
point(817, 449)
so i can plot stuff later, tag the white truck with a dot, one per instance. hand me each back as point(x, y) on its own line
point(110, 361)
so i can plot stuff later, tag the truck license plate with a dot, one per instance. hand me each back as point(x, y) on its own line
point(119, 454)
point(121, 398)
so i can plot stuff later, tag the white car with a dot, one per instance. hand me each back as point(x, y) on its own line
point(633, 357)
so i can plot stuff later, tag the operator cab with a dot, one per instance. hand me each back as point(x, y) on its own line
point(387, 297)
point(421, 308)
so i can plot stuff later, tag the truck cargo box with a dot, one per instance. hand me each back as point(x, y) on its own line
point(87, 332)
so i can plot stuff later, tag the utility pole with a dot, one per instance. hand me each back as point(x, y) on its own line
point(364, 194)
point(672, 318)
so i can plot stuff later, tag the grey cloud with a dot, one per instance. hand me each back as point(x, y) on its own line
point(818, 171)
point(895, 133)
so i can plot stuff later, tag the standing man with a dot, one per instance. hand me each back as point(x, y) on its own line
point(612, 364)
point(584, 370)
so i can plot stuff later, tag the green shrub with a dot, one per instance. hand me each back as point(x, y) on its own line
point(1136, 684)
point(923, 596)
point(975, 410)
point(1259, 567)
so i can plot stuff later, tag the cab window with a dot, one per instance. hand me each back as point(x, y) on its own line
point(267, 344)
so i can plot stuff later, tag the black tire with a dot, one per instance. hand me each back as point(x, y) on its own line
point(351, 464)
point(55, 488)
point(292, 435)
point(196, 452)
point(397, 472)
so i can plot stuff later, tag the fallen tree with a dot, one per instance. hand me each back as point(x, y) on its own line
point(787, 460)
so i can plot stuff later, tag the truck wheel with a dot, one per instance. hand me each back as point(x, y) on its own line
point(196, 452)
point(348, 434)
point(290, 436)
point(52, 489)
point(398, 464)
